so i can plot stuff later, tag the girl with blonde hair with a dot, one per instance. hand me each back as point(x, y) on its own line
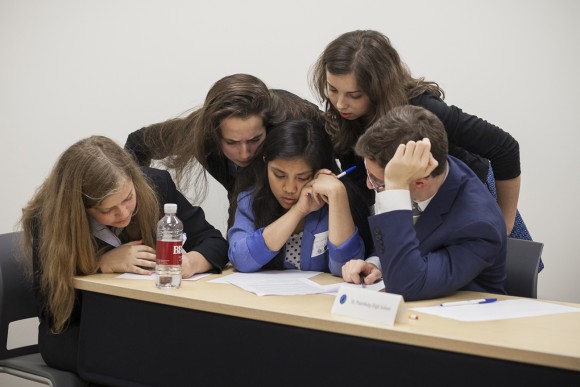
point(97, 212)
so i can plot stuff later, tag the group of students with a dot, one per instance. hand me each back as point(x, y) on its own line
point(428, 207)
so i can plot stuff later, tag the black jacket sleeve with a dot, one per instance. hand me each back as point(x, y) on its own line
point(472, 138)
point(135, 145)
point(201, 235)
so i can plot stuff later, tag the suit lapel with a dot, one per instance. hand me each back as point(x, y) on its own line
point(440, 205)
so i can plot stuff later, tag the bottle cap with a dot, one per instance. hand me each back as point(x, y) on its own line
point(170, 208)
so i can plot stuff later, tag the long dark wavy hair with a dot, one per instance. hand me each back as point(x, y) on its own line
point(379, 72)
point(184, 143)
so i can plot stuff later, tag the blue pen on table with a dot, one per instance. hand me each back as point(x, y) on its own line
point(470, 302)
point(348, 170)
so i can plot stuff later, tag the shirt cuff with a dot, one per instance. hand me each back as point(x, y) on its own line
point(392, 200)
point(375, 261)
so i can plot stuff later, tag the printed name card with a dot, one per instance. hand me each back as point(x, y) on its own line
point(379, 307)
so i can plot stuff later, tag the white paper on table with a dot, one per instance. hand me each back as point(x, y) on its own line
point(279, 287)
point(194, 277)
point(333, 288)
point(289, 286)
point(284, 283)
point(499, 310)
point(278, 275)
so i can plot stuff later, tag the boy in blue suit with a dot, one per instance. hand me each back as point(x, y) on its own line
point(436, 228)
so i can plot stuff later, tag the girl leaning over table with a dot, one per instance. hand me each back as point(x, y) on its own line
point(97, 212)
point(360, 76)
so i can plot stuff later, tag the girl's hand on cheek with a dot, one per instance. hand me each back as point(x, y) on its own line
point(327, 185)
point(308, 201)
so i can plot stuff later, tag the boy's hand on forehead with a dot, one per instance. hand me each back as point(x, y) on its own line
point(411, 161)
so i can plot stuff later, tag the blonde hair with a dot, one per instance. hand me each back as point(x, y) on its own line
point(56, 224)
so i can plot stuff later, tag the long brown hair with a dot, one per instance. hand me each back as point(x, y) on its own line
point(399, 126)
point(56, 222)
point(379, 72)
point(184, 143)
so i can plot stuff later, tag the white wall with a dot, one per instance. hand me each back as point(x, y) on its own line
point(71, 68)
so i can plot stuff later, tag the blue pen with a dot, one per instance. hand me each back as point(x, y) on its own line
point(470, 302)
point(348, 170)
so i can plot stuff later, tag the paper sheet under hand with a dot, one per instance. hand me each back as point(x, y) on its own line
point(333, 289)
point(499, 310)
point(280, 287)
point(274, 282)
point(284, 283)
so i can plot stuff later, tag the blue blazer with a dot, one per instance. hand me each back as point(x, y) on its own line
point(458, 243)
point(248, 251)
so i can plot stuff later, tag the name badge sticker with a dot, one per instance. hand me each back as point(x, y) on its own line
point(320, 244)
point(379, 307)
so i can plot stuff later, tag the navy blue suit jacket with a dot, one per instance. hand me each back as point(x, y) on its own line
point(458, 243)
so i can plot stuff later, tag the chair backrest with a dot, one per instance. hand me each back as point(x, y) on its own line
point(523, 258)
point(17, 300)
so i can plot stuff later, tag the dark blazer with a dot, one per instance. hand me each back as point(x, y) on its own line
point(458, 243)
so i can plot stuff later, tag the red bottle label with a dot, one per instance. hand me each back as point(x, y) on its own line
point(169, 252)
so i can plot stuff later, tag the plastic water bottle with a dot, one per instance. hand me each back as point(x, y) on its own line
point(169, 242)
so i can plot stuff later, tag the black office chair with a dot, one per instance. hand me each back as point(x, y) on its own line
point(17, 303)
point(523, 258)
